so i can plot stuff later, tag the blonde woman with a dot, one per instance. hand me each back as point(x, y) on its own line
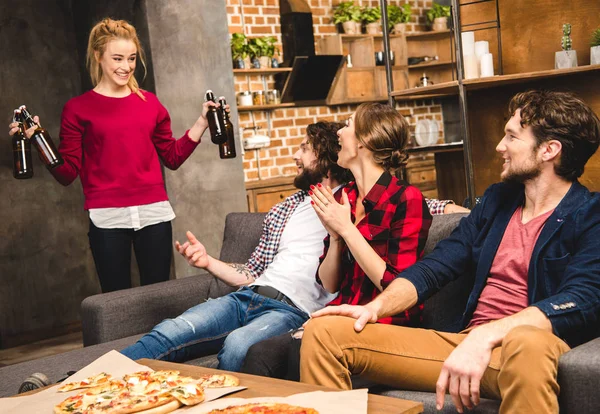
point(113, 137)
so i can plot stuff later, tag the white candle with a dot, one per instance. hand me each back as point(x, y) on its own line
point(471, 64)
point(468, 43)
point(487, 65)
point(481, 48)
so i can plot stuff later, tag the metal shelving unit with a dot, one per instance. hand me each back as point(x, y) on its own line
point(457, 87)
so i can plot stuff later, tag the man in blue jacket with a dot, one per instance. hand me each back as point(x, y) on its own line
point(533, 245)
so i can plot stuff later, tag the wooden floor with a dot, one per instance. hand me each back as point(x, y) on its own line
point(40, 349)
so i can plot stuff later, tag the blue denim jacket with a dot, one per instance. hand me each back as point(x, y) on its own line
point(564, 271)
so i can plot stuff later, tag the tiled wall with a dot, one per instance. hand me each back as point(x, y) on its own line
point(287, 126)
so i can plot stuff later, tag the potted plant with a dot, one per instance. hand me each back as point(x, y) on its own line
point(398, 17)
point(262, 49)
point(371, 16)
point(239, 51)
point(438, 17)
point(595, 48)
point(567, 57)
point(348, 15)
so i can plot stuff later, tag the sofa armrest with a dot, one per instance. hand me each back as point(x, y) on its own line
point(114, 315)
point(579, 379)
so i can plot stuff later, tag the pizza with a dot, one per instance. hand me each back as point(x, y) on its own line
point(150, 392)
point(219, 381)
point(265, 408)
point(90, 382)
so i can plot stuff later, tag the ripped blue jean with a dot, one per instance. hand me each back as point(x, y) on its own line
point(228, 325)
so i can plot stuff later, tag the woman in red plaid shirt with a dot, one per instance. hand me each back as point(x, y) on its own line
point(377, 224)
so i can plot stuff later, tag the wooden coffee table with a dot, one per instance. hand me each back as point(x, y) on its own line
point(270, 387)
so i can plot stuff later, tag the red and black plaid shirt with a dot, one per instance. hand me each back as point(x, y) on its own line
point(396, 225)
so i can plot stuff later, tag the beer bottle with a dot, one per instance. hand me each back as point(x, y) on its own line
point(42, 140)
point(227, 148)
point(22, 166)
point(215, 120)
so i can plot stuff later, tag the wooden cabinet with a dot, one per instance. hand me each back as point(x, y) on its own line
point(420, 172)
point(264, 194)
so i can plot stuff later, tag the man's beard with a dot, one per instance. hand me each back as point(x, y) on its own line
point(308, 177)
point(522, 175)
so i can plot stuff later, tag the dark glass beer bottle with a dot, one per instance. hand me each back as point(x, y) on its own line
point(42, 140)
point(227, 148)
point(215, 121)
point(22, 166)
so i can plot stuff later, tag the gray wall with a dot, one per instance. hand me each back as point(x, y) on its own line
point(46, 267)
point(190, 51)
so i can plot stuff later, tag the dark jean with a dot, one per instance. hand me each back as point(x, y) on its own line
point(111, 248)
point(229, 324)
point(277, 357)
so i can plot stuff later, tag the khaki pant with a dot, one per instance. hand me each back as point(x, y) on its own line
point(522, 372)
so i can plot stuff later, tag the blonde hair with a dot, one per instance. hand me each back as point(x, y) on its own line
point(384, 132)
point(102, 33)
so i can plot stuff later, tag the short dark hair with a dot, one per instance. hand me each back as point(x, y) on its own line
point(383, 131)
point(322, 136)
point(563, 117)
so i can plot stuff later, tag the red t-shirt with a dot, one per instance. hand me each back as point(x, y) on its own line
point(505, 292)
point(114, 145)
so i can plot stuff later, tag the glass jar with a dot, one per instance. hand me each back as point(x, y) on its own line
point(258, 98)
point(273, 97)
point(244, 98)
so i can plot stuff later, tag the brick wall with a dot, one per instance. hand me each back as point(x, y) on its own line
point(286, 127)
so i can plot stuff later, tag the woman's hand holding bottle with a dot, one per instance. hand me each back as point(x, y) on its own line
point(201, 123)
point(13, 127)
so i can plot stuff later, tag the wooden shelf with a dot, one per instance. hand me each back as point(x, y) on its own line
point(428, 35)
point(448, 147)
point(267, 71)
point(265, 107)
point(431, 64)
point(433, 91)
point(501, 80)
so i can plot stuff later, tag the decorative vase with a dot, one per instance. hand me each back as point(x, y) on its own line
point(595, 55)
point(238, 63)
point(400, 28)
point(350, 27)
point(565, 59)
point(265, 61)
point(373, 28)
point(439, 24)
point(247, 62)
point(274, 63)
point(358, 27)
point(255, 63)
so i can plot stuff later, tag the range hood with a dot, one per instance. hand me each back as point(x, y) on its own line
point(311, 79)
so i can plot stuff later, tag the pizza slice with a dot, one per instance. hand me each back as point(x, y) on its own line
point(265, 408)
point(89, 382)
point(188, 393)
point(218, 381)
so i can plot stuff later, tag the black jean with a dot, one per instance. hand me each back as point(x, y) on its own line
point(277, 357)
point(111, 249)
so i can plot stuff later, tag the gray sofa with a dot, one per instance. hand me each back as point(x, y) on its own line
point(115, 320)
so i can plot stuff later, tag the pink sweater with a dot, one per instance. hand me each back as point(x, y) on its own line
point(114, 145)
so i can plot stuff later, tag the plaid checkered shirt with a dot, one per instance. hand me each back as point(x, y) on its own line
point(396, 225)
point(273, 226)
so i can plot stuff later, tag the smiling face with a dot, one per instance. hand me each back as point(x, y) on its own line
point(348, 142)
point(520, 152)
point(306, 159)
point(118, 63)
